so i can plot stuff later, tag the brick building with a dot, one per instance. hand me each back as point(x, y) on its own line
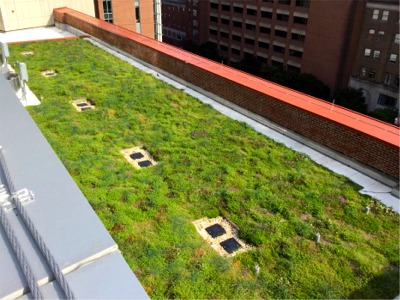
point(317, 37)
point(183, 22)
point(142, 16)
point(376, 68)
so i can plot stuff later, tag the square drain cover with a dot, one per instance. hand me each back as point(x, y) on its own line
point(145, 163)
point(136, 155)
point(215, 230)
point(230, 245)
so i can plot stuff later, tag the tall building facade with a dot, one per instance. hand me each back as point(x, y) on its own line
point(307, 36)
point(22, 14)
point(141, 16)
point(376, 68)
point(184, 22)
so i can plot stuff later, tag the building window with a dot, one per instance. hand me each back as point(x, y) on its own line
point(363, 72)
point(298, 37)
point(286, 2)
point(266, 14)
point(293, 69)
point(237, 38)
point(280, 33)
point(251, 27)
point(251, 12)
point(279, 49)
point(249, 41)
point(237, 24)
point(265, 30)
point(300, 20)
point(380, 36)
point(367, 52)
point(397, 38)
point(263, 45)
point(371, 74)
point(375, 14)
point(213, 32)
point(137, 11)
point(386, 100)
point(238, 10)
point(214, 5)
point(224, 21)
point(224, 35)
point(262, 59)
point(393, 57)
point(277, 64)
point(107, 9)
point(385, 15)
point(282, 17)
point(388, 79)
point(371, 34)
point(224, 48)
point(303, 3)
point(235, 51)
point(377, 54)
point(295, 53)
point(396, 81)
point(213, 19)
point(226, 7)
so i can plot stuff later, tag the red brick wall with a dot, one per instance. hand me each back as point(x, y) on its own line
point(368, 149)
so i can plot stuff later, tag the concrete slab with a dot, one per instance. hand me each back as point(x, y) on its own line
point(40, 33)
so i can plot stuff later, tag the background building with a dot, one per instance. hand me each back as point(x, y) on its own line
point(317, 37)
point(185, 22)
point(23, 14)
point(141, 16)
point(376, 68)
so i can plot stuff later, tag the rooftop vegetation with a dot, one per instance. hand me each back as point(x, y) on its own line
point(208, 165)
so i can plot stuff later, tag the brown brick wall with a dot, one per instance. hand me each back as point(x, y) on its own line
point(364, 148)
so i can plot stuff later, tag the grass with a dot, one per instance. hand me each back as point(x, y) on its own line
point(209, 165)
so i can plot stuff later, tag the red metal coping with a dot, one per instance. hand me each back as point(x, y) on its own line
point(359, 122)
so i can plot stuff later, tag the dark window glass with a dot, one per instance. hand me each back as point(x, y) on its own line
point(214, 5)
point(295, 53)
point(279, 49)
point(250, 27)
point(238, 10)
point(249, 41)
point(235, 51)
point(263, 45)
point(224, 21)
point(300, 20)
point(237, 24)
point(303, 3)
point(298, 37)
point(213, 19)
point(386, 100)
point(251, 12)
point(265, 30)
point(266, 14)
point(226, 7)
point(286, 2)
point(282, 17)
point(236, 38)
point(280, 33)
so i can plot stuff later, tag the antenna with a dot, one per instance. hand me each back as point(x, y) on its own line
point(4, 54)
point(23, 77)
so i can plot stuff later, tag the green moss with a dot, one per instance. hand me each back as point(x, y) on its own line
point(208, 165)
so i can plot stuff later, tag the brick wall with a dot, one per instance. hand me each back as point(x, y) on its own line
point(369, 149)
